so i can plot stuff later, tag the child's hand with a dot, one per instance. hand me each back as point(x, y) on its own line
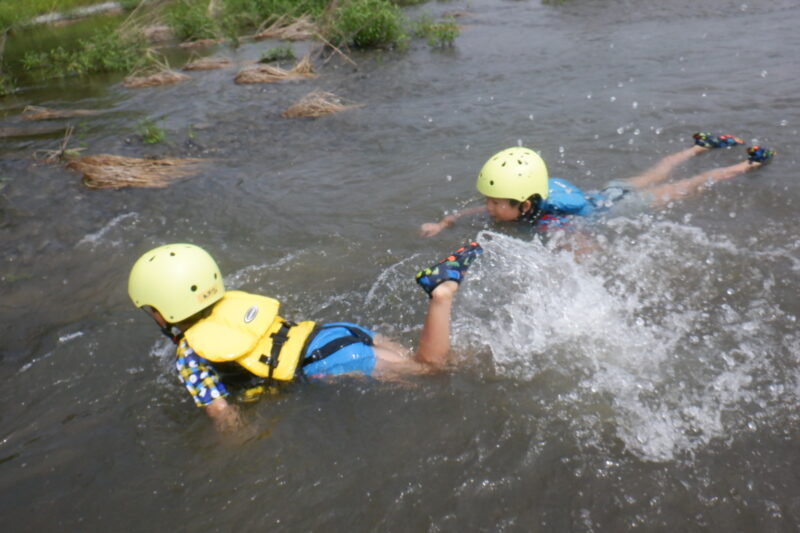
point(429, 229)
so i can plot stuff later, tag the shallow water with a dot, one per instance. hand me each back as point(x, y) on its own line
point(652, 387)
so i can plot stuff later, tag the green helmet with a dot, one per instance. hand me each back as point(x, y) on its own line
point(178, 280)
point(514, 173)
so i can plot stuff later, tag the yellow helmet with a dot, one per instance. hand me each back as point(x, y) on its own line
point(513, 173)
point(178, 280)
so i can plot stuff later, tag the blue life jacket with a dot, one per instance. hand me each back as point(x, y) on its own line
point(563, 198)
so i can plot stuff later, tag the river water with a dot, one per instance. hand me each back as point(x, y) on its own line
point(652, 387)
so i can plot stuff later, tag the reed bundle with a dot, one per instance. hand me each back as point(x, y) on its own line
point(299, 29)
point(208, 63)
point(270, 74)
point(115, 172)
point(33, 112)
point(164, 77)
point(202, 43)
point(317, 104)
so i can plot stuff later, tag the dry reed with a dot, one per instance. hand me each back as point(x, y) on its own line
point(317, 104)
point(159, 33)
point(208, 63)
point(30, 131)
point(299, 29)
point(202, 43)
point(115, 172)
point(164, 77)
point(51, 156)
point(33, 112)
point(269, 74)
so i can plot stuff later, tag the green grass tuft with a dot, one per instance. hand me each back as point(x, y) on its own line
point(277, 53)
point(150, 132)
point(437, 33)
point(104, 51)
point(368, 24)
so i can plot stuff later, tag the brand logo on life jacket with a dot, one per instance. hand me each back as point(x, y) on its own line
point(250, 314)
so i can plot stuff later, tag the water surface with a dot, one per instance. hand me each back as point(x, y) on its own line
point(652, 387)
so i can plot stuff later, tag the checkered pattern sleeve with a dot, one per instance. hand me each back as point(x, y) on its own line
point(198, 376)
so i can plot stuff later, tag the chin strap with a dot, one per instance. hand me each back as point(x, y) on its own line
point(174, 334)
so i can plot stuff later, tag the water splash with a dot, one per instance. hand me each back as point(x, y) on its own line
point(644, 334)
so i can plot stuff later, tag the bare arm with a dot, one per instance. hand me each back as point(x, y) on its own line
point(583, 245)
point(429, 229)
point(224, 415)
point(574, 240)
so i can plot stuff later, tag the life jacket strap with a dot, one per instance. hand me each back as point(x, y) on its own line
point(279, 338)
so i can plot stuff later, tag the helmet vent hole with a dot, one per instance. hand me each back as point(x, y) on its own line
point(215, 275)
point(194, 288)
point(519, 162)
point(491, 182)
point(504, 164)
point(172, 254)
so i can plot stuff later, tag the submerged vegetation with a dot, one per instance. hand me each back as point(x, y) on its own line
point(436, 33)
point(124, 48)
point(151, 133)
point(104, 51)
point(277, 53)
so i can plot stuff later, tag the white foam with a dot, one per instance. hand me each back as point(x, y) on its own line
point(98, 236)
point(638, 328)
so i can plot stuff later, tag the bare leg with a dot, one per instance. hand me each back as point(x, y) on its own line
point(434, 343)
point(664, 194)
point(660, 171)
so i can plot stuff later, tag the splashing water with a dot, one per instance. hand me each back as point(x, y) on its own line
point(643, 333)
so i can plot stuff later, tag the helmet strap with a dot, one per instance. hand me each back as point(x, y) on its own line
point(173, 333)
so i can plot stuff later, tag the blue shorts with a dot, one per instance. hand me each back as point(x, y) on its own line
point(620, 196)
point(357, 357)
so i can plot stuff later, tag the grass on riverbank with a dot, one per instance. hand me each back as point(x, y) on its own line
point(343, 23)
point(103, 51)
point(13, 12)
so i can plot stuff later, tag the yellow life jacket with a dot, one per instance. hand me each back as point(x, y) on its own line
point(246, 329)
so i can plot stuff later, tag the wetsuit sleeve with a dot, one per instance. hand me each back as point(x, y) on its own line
point(198, 376)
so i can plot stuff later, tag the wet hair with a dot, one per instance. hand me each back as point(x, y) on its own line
point(533, 213)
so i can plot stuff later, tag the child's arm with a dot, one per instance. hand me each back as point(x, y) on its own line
point(224, 415)
point(202, 381)
point(574, 240)
point(429, 229)
point(583, 245)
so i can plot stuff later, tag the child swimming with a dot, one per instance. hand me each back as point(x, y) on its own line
point(226, 338)
point(517, 188)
